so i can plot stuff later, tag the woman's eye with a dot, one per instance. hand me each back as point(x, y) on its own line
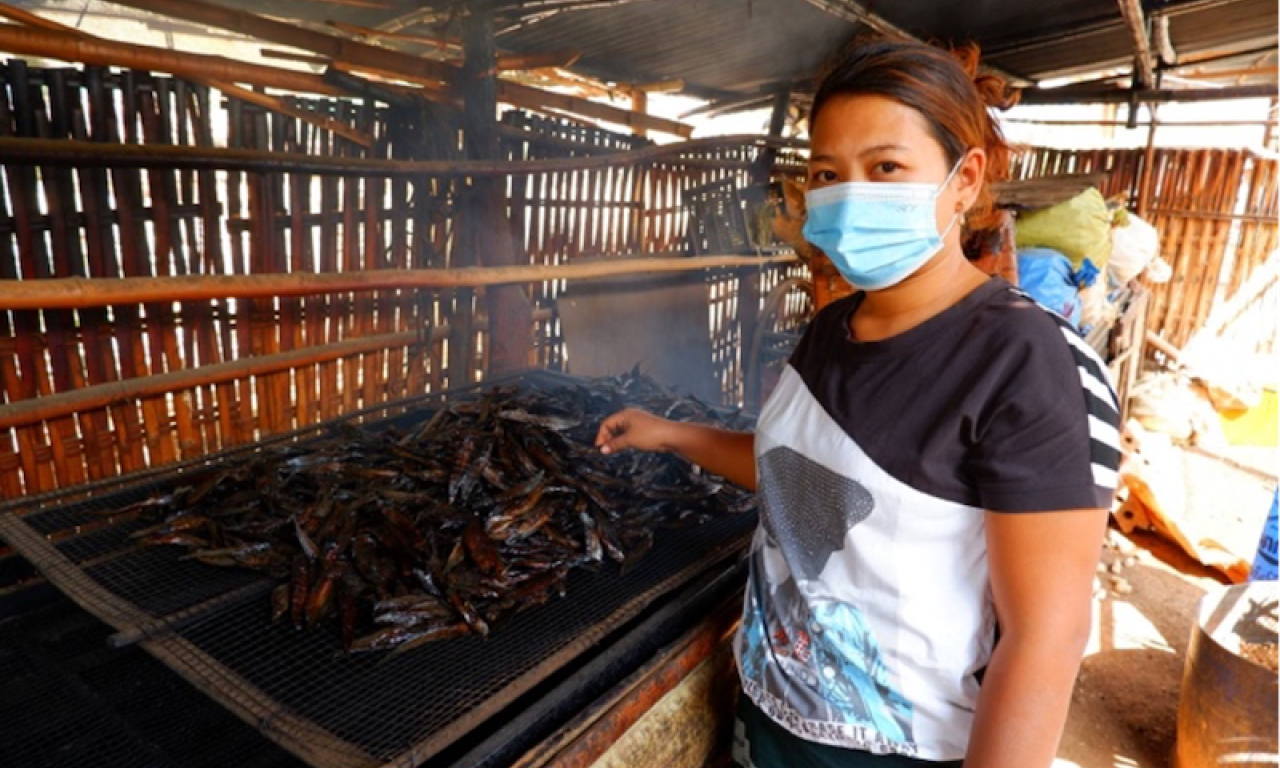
point(824, 177)
point(887, 166)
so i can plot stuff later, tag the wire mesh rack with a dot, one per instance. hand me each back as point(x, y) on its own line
point(213, 627)
point(69, 700)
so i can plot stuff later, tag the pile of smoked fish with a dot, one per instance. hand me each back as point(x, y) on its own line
point(402, 537)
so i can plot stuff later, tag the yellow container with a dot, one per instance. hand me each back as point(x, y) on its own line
point(1255, 426)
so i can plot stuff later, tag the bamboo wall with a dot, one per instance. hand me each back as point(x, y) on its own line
point(257, 367)
point(267, 366)
point(1216, 212)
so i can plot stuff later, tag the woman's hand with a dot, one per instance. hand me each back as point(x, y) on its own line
point(633, 428)
point(719, 451)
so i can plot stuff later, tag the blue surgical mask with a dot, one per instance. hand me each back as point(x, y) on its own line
point(877, 234)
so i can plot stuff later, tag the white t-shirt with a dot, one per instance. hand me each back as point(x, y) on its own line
point(868, 615)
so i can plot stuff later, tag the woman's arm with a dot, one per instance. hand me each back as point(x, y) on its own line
point(1042, 566)
point(719, 451)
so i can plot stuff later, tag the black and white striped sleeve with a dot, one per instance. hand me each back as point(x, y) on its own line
point(1051, 441)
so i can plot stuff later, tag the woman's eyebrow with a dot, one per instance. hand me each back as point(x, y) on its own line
point(819, 158)
point(881, 148)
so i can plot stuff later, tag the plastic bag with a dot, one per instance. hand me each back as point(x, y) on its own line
point(1080, 229)
point(1163, 402)
point(1133, 246)
point(1047, 275)
point(1159, 271)
point(1096, 308)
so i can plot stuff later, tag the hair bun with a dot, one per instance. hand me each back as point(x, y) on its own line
point(993, 89)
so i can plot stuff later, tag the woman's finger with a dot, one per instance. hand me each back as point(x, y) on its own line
point(610, 428)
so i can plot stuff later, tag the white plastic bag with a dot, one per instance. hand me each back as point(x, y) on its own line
point(1159, 271)
point(1097, 311)
point(1133, 246)
point(1164, 402)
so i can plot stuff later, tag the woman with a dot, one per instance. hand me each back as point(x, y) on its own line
point(936, 462)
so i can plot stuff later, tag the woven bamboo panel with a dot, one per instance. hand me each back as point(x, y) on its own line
point(314, 357)
point(1216, 211)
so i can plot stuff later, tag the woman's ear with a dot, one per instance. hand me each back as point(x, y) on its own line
point(969, 178)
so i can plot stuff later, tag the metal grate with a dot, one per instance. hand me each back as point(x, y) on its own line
point(68, 700)
point(213, 627)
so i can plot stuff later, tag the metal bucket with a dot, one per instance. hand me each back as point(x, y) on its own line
point(1227, 708)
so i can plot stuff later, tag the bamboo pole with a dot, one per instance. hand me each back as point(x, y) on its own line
point(276, 104)
point(302, 58)
point(78, 292)
point(192, 66)
point(230, 89)
point(58, 152)
point(101, 395)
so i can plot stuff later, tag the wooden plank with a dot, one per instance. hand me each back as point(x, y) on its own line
point(1226, 194)
point(107, 439)
point(221, 431)
point(162, 323)
point(329, 389)
point(127, 188)
point(64, 442)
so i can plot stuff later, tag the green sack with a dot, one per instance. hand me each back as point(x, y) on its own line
point(1080, 229)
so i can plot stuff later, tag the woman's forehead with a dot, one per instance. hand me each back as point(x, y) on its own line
point(859, 122)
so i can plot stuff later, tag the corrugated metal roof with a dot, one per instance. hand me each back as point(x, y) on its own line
point(727, 48)
point(731, 46)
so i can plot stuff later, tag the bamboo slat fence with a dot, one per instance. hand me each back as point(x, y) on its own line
point(1216, 212)
point(217, 372)
point(230, 370)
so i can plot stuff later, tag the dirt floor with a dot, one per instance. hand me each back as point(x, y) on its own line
point(1124, 711)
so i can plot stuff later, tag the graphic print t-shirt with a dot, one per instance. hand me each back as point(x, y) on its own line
point(868, 611)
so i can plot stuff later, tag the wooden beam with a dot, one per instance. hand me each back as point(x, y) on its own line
point(519, 62)
point(1256, 71)
point(442, 42)
point(1068, 95)
point(80, 292)
point(62, 152)
point(303, 58)
point(192, 66)
point(640, 105)
point(386, 59)
point(1135, 21)
point(276, 104)
point(293, 35)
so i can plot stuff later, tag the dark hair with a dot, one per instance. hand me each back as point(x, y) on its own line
point(944, 87)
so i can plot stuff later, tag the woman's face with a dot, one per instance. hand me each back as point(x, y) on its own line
point(865, 137)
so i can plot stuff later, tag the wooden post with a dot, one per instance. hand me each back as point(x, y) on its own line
point(640, 105)
point(749, 296)
point(1148, 160)
point(484, 225)
point(1268, 132)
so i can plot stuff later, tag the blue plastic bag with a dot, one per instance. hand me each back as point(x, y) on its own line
point(1264, 563)
point(1046, 274)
